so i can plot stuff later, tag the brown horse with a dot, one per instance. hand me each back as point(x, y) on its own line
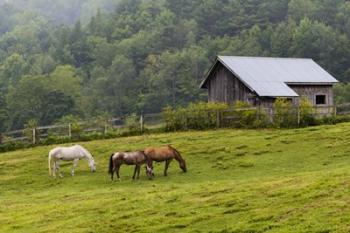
point(136, 158)
point(160, 154)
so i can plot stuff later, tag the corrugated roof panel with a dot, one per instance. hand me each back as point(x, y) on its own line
point(268, 76)
point(274, 89)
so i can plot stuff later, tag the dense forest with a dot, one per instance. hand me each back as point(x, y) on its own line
point(98, 57)
point(61, 11)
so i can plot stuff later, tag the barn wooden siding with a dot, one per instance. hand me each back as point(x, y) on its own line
point(224, 87)
point(310, 91)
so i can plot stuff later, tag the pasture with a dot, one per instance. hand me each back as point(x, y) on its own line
point(294, 180)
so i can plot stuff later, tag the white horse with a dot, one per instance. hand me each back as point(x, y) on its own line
point(73, 153)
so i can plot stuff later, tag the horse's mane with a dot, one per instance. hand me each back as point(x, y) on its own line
point(176, 152)
point(84, 150)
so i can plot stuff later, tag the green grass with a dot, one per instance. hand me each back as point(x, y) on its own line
point(237, 181)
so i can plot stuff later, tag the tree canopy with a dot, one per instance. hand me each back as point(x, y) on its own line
point(119, 57)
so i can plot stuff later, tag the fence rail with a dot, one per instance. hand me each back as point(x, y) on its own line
point(69, 130)
point(149, 121)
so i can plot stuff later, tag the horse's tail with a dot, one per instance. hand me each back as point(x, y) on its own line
point(110, 164)
point(49, 160)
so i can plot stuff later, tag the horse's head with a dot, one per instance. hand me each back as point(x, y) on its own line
point(92, 165)
point(149, 172)
point(183, 165)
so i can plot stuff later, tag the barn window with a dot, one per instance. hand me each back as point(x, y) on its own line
point(320, 99)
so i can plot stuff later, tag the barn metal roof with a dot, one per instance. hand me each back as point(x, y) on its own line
point(270, 76)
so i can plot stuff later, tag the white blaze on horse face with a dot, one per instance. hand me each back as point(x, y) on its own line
point(92, 165)
point(149, 171)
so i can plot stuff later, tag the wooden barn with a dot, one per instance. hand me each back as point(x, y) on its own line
point(260, 80)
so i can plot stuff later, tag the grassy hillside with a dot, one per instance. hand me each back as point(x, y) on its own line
point(238, 181)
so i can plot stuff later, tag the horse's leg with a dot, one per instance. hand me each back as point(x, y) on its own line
point(167, 162)
point(75, 163)
point(135, 170)
point(118, 167)
point(112, 173)
point(58, 168)
point(138, 171)
point(54, 169)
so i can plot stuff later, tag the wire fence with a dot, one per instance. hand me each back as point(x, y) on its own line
point(148, 122)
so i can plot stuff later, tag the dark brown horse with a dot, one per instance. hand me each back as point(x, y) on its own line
point(136, 158)
point(161, 154)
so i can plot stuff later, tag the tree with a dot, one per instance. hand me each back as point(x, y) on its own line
point(300, 9)
point(57, 105)
point(33, 98)
point(65, 80)
point(12, 69)
point(3, 114)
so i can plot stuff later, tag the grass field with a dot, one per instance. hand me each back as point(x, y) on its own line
point(237, 181)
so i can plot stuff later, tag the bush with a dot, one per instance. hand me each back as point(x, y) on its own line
point(133, 124)
point(306, 113)
point(198, 116)
point(247, 116)
point(10, 146)
point(285, 115)
point(202, 116)
point(28, 131)
point(74, 121)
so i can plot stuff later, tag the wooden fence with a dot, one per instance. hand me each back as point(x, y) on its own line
point(142, 122)
point(117, 126)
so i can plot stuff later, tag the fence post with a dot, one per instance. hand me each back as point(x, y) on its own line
point(69, 130)
point(1, 138)
point(141, 122)
point(33, 131)
point(217, 118)
point(298, 110)
point(105, 131)
point(272, 114)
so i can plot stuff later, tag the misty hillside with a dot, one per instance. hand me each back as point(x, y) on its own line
point(62, 11)
point(144, 55)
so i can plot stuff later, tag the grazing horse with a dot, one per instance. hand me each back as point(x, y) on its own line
point(167, 154)
point(73, 153)
point(136, 158)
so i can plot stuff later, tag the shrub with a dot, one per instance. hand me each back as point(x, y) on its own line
point(174, 119)
point(202, 116)
point(247, 116)
point(28, 131)
point(306, 112)
point(285, 116)
point(74, 121)
point(133, 124)
point(198, 116)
